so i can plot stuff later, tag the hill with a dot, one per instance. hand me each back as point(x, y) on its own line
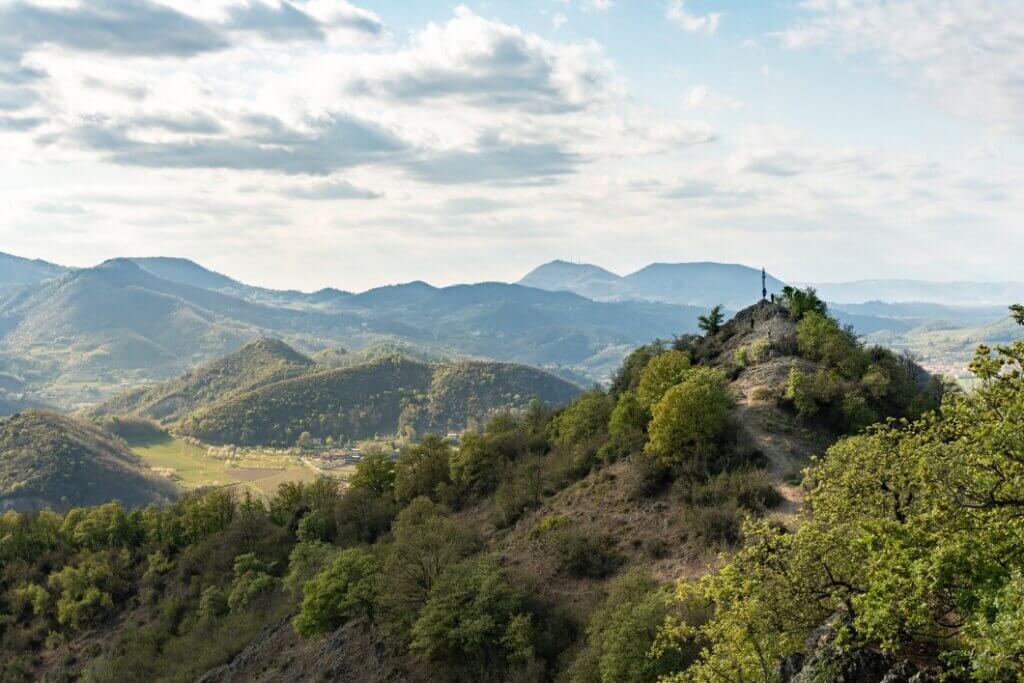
point(701, 284)
point(256, 364)
point(87, 334)
point(553, 536)
point(385, 396)
point(48, 460)
point(16, 271)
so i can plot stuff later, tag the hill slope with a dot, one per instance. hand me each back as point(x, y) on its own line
point(256, 364)
point(16, 271)
point(48, 460)
point(381, 397)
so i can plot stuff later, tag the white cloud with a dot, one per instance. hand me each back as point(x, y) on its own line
point(702, 97)
point(966, 54)
point(679, 14)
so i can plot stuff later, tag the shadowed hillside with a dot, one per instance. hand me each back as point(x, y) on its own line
point(48, 460)
point(386, 396)
point(256, 364)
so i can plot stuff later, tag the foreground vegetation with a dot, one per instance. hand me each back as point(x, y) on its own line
point(907, 552)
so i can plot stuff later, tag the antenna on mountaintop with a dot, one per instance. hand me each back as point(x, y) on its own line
point(764, 284)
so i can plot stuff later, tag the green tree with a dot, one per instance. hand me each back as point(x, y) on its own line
point(712, 322)
point(689, 419)
point(623, 630)
point(800, 302)
point(345, 590)
point(475, 619)
point(661, 374)
point(423, 470)
point(426, 542)
point(375, 471)
point(627, 427)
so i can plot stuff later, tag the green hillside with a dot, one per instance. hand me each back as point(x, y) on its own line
point(256, 364)
point(547, 547)
point(385, 396)
point(48, 460)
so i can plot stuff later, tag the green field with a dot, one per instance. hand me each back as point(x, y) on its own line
point(193, 468)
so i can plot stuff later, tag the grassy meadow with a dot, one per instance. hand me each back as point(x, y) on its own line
point(191, 466)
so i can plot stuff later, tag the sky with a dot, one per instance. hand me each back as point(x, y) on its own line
point(319, 143)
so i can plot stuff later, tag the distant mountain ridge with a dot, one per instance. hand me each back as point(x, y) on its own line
point(703, 284)
point(16, 271)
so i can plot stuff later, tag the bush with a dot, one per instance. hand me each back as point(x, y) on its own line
point(476, 465)
point(623, 631)
point(689, 420)
point(627, 427)
point(346, 589)
point(252, 581)
point(584, 556)
point(661, 374)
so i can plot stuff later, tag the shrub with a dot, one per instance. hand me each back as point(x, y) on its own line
point(252, 581)
point(661, 374)
point(627, 427)
point(584, 556)
point(476, 465)
point(623, 631)
point(346, 589)
point(307, 559)
point(689, 419)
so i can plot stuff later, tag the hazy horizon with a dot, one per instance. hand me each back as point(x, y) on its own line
point(325, 143)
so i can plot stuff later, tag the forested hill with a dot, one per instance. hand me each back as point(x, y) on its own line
point(258, 363)
point(562, 545)
point(48, 460)
point(387, 396)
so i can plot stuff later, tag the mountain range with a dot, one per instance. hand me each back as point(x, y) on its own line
point(72, 337)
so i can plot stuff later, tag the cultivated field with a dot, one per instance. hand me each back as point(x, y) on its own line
point(191, 466)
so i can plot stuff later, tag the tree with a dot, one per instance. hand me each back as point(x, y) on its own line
point(426, 542)
point(375, 472)
point(661, 373)
point(346, 589)
point(912, 539)
point(712, 322)
point(423, 470)
point(475, 619)
point(627, 427)
point(689, 419)
point(800, 302)
point(477, 465)
point(623, 630)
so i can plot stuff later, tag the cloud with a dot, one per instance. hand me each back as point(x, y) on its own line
point(178, 123)
point(710, 193)
point(335, 142)
point(497, 163)
point(20, 123)
point(116, 27)
point(678, 14)
point(281, 22)
point(701, 97)
point(329, 190)
point(968, 55)
point(597, 5)
point(60, 208)
point(486, 64)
